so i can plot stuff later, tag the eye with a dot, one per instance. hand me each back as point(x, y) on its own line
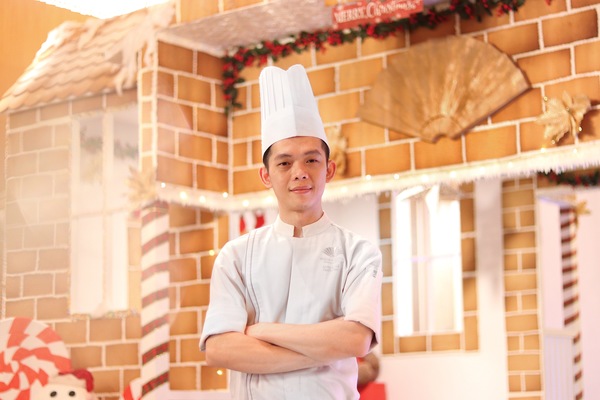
point(53, 393)
point(72, 393)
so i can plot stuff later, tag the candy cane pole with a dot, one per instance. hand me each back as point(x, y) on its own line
point(568, 232)
point(154, 345)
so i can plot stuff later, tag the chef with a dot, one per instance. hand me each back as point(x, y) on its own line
point(294, 303)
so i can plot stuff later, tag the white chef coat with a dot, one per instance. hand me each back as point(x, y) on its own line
point(268, 275)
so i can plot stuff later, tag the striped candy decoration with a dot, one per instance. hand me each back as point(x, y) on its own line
point(154, 345)
point(133, 391)
point(30, 353)
point(568, 232)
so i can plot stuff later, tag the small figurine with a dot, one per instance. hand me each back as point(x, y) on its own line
point(71, 385)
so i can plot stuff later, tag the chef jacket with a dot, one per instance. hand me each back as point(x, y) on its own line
point(268, 275)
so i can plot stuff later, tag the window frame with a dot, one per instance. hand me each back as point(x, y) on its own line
point(109, 212)
point(415, 310)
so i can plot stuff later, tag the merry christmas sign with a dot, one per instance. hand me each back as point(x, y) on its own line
point(364, 12)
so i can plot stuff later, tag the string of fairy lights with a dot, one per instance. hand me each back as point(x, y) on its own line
point(546, 160)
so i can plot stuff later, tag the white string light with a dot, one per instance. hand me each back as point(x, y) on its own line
point(558, 159)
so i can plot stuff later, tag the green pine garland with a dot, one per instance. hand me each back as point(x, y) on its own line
point(574, 179)
point(259, 54)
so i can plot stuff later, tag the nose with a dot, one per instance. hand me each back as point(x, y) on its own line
point(299, 172)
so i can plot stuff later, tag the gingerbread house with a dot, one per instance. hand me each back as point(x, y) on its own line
point(133, 145)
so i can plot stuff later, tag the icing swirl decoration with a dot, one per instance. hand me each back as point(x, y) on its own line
point(30, 353)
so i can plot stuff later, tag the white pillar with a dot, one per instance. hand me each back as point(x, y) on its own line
point(154, 346)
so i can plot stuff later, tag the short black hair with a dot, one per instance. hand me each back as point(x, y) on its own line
point(265, 158)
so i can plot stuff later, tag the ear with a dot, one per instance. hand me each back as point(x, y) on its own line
point(331, 168)
point(265, 177)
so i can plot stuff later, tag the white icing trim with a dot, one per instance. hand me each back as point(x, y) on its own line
point(559, 159)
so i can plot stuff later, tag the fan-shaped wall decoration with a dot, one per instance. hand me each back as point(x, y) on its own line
point(442, 87)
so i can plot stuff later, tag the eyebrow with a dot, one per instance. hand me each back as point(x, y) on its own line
point(308, 153)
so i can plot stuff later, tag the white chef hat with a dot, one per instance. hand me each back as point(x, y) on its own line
point(287, 106)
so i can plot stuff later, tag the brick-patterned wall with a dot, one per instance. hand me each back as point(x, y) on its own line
point(185, 141)
point(184, 128)
point(188, 141)
point(38, 249)
point(523, 330)
point(195, 237)
point(555, 46)
point(37, 244)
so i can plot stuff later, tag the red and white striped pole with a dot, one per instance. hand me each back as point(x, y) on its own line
point(568, 233)
point(154, 345)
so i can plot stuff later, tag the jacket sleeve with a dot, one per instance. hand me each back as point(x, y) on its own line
point(227, 306)
point(361, 300)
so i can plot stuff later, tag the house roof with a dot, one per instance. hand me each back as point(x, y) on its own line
point(99, 56)
point(275, 19)
point(80, 59)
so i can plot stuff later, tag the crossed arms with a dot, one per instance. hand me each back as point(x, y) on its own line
point(267, 348)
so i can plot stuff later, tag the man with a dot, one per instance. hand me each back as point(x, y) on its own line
point(294, 303)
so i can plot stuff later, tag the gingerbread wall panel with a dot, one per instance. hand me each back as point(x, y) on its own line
point(505, 41)
point(322, 81)
point(54, 111)
point(546, 66)
point(209, 66)
point(570, 28)
point(175, 57)
point(360, 73)
point(370, 46)
point(443, 152)
point(529, 104)
point(587, 85)
point(23, 118)
point(488, 22)
point(443, 29)
point(334, 54)
point(193, 90)
point(362, 134)
point(389, 159)
point(165, 84)
point(491, 144)
point(304, 58)
point(535, 9)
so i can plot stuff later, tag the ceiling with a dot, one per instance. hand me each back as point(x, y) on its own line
point(250, 25)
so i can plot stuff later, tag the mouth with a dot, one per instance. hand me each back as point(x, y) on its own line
point(301, 189)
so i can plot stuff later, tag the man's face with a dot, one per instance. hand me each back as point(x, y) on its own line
point(297, 173)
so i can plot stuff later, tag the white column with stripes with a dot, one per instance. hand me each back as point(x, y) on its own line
point(568, 233)
point(154, 346)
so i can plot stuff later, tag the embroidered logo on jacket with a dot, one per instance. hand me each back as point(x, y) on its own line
point(332, 258)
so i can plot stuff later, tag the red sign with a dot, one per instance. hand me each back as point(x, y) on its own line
point(351, 15)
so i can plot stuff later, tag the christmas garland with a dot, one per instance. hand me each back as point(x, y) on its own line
point(579, 179)
point(259, 54)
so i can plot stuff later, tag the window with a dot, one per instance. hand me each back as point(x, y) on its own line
point(104, 148)
point(427, 261)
